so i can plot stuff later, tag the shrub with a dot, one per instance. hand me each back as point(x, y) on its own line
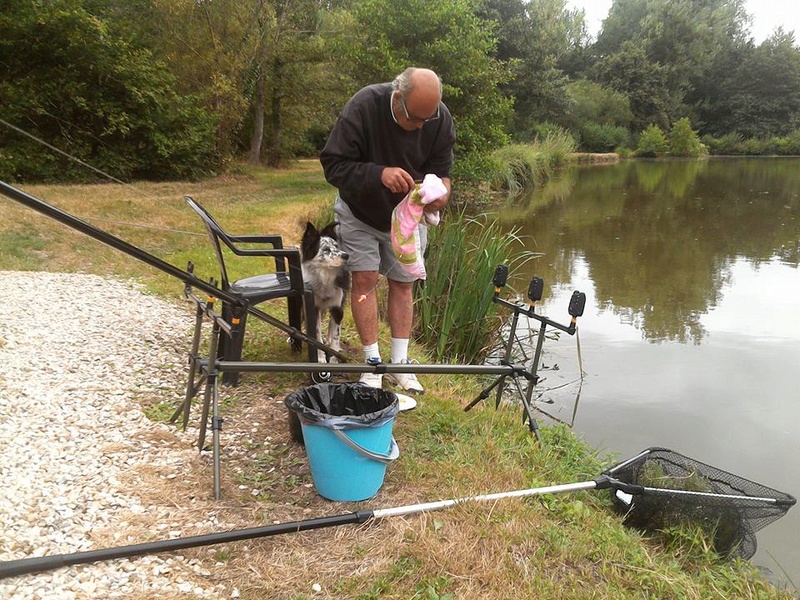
point(538, 131)
point(652, 142)
point(591, 102)
point(683, 140)
point(789, 145)
point(518, 167)
point(727, 144)
point(602, 138)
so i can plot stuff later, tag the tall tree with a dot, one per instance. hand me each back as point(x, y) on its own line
point(533, 36)
point(759, 95)
point(384, 37)
point(673, 44)
point(262, 64)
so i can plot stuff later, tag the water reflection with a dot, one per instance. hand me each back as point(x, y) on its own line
point(660, 237)
point(690, 338)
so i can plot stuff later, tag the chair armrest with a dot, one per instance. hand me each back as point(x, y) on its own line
point(275, 240)
point(277, 251)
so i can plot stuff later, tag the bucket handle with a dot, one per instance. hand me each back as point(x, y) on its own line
point(394, 450)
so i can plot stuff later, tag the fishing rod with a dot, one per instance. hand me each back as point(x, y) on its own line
point(187, 277)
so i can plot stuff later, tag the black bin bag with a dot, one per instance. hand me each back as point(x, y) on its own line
point(340, 406)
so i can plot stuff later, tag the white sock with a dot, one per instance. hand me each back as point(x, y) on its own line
point(399, 349)
point(372, 351)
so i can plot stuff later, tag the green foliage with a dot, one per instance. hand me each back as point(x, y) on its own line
point(734, 144)
point(652, 142)
point(591, 102)
point(455, 313)
point(683, 140)
point(645, 83)
point(599, 116)
point(602, 138)
point(92, 95)
point(727, 144)
point(518, 167)
point(162, 89)
point(532, 35)
point(538, 131)
point(755, 92)
point(385, 37)
point(659, 52)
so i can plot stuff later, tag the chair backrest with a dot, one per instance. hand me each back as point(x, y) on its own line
point(216, 233)
point(267, 245)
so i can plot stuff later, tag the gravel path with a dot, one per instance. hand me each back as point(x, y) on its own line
point(77, 350)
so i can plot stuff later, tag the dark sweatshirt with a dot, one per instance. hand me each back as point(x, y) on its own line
point(366, 139)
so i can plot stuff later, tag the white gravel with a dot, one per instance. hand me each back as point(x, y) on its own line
point(75, 351)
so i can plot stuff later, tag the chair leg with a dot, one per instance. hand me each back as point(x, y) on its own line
point(311, 324)
point(295, 310)
point(230, 348)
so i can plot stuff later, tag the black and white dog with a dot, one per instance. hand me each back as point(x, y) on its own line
point(324, 271)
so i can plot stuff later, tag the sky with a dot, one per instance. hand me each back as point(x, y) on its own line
point(767, 15)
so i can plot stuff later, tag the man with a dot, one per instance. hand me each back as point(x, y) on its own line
point(387, 136)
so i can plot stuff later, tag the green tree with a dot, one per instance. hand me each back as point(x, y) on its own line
point(591, 102)
point(385, 37)
point(758, 91)
point(533, 35)
point(645, 83)
point(659, 52)
point(94, 96)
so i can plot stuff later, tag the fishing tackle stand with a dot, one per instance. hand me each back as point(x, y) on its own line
point(531, 373)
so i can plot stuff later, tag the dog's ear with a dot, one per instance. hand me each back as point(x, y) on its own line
point(310, 241)
point(330, 230)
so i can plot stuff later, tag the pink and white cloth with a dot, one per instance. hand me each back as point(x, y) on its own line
point(406, 219)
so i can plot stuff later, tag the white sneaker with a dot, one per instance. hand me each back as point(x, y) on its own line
point(372, 379)
point(407, 381)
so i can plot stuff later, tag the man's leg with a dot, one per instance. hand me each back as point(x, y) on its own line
point(401, 319)
point(364, 304)
point(401, 308)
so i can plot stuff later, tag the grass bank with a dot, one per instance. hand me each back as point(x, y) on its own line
point(566, 546)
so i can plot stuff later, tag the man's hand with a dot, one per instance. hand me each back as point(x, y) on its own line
point(397, 180)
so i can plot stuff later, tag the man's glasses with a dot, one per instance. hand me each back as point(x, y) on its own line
point(417, 119)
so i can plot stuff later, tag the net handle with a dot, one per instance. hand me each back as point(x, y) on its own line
point(608, 482)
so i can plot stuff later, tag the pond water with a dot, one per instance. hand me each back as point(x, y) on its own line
point(690, 338)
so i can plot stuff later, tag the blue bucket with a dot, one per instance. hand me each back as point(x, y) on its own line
point(347, 431)
point(349, 465)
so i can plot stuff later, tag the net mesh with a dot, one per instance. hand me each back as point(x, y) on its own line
point(678, 490)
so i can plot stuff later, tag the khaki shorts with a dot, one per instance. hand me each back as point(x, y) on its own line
point(370, 249)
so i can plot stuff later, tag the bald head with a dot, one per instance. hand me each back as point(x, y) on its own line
point(421, 91)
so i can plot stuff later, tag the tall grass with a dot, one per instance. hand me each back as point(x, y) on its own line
point(519, 167)
point(456, 318)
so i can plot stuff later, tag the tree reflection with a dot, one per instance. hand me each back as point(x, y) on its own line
point(659, 237)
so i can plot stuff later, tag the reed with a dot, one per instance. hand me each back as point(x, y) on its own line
point(520, 167)
point(456, 318)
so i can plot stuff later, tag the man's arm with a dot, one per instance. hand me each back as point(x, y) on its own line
point(342, 157)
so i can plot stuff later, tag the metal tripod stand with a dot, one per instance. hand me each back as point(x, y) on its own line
point(535, 289)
